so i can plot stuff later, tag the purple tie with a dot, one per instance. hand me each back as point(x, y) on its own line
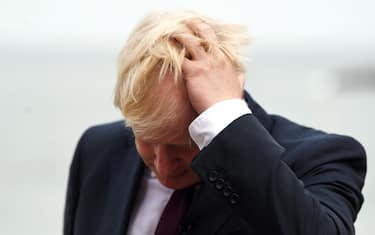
point(174, 212)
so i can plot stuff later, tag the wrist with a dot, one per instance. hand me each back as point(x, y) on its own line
point(214, 119)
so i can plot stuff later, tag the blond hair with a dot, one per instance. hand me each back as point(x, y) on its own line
point(151, 52)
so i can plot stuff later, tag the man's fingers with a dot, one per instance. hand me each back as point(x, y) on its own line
point(202, 29)
point(207, 35)
point(187, 68)
point(192, 44)
point(202, 42)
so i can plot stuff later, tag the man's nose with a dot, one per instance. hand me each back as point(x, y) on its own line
point(166, 161)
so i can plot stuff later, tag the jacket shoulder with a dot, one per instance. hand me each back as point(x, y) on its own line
point(292, 135)
point(107, 134)
point(101, 143)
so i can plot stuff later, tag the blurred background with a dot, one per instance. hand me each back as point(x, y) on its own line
point(312, 61)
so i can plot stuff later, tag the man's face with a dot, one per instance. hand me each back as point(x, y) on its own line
point(169, 156)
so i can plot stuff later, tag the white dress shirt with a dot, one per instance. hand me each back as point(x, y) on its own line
point(152, 196)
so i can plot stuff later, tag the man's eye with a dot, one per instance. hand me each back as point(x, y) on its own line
point(184, 148)
point(179, 146)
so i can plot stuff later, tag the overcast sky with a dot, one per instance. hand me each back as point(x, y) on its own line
point(337, 23)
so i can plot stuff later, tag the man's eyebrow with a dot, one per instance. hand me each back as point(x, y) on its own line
point(169, 143)
point(162, 138)
point(188, 143)
point(180, 144)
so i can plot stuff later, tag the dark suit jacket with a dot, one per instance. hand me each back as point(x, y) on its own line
point(263, 174)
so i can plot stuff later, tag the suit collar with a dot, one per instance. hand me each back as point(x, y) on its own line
point(258, 111)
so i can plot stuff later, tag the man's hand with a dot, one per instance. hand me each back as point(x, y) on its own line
point(209, 75)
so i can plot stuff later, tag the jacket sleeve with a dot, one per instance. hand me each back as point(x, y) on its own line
point(245, 164)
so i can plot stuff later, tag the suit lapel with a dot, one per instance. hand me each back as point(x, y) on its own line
point(130, 187)
point(126, 173)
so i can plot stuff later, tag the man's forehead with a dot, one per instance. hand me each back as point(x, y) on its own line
point(166, 135)
point(172, 129)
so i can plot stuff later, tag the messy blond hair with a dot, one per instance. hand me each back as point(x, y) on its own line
point(151, 52)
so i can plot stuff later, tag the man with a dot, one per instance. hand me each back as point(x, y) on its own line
point(190, 125)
